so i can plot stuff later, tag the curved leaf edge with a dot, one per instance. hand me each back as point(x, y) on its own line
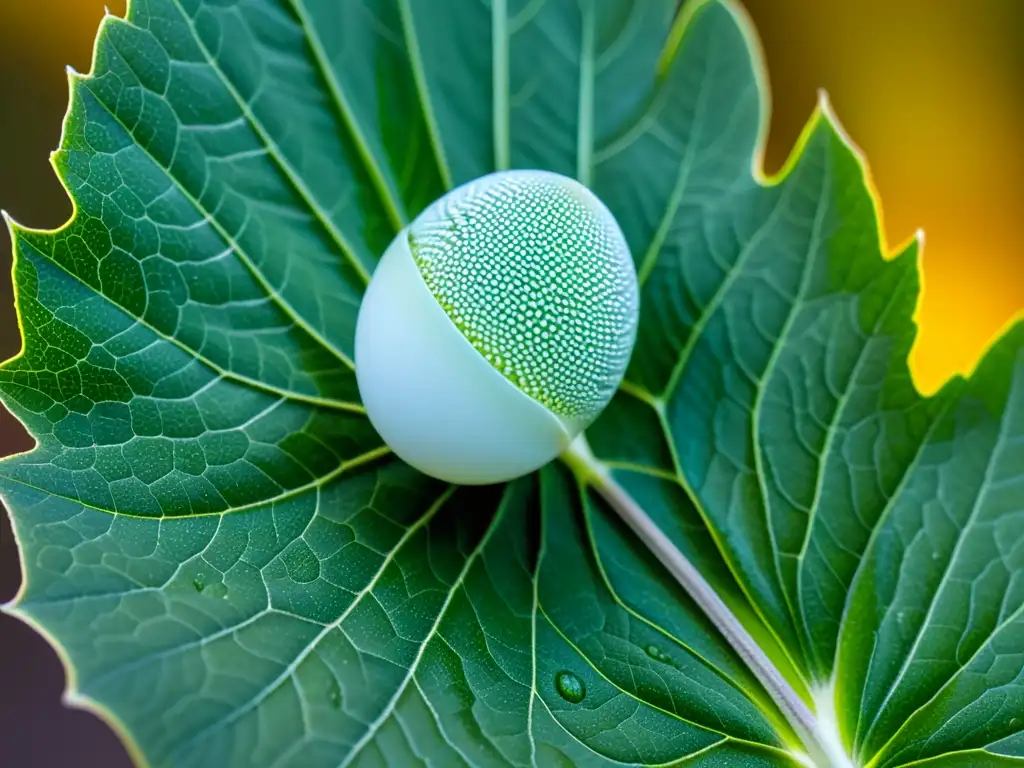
point(72, 697)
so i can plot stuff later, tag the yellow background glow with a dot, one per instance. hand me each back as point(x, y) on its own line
point(932, 90)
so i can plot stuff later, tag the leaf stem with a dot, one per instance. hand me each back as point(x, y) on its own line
point(803, 721)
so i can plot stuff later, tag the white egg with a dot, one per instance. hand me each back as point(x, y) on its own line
point(496, 327)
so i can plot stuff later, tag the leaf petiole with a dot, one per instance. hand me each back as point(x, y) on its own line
point(588, 469)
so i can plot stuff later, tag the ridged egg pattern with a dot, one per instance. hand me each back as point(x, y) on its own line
point(497, 326)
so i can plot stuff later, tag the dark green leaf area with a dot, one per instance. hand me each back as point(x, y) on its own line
point(130, 423)
point(382, 616)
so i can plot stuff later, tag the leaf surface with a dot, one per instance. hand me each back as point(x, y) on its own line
point(238, 572)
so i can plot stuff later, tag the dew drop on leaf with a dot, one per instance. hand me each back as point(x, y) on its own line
point(217, 590)
point(657, 654)
point(570, 687)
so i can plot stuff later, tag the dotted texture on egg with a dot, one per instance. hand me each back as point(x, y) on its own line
point(539, 283)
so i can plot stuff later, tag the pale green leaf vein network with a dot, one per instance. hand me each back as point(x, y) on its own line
point(644, 123)
point(640, 469)
point(807, 266)
point(467, 566)
point(618, 599)
point(623, 39)
point(290, 394)
point(597, 670)
point(542, 549)
point(342, 468)
point(199, 642)
point(697, 332)
point(883, 517)
point(419, 77)
point(1007, 622)
point(287, 756)
point(539, 611)
point(389, 196)
point(926, 623)
point(534, 609)
point(439, 724)
point(289, 670)
point(672, 763)
point(525, 16)
point(275, 151)
point(831, 431)
point(650, 257)
point(991, 759)
point(682, 759)
point(657, 402)
point(640, 702)
point(208, 216)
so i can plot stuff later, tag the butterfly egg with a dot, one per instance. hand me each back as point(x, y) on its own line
point(496, 327)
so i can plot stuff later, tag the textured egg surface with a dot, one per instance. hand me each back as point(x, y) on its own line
point(539, 281)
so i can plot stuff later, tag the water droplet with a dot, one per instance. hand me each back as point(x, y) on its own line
point(218, 589)
point(334, 695)
point(570, 687)
point(197, 582)
point(657, 654)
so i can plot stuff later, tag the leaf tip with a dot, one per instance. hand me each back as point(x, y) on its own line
point(10, 608)
point(14, 232)
point(827, 111)
point(824, 102)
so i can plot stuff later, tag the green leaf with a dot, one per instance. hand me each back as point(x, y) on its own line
point(237, 571)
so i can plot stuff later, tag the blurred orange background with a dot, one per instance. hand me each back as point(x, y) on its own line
point(932, 90)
